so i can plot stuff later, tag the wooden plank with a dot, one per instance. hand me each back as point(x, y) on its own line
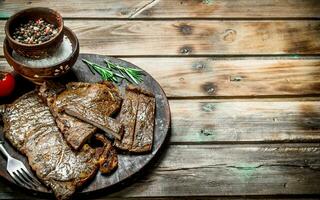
point(203, 170)
point(244, 121)
point(16, 193)
point(209, 76)
point(189, 37)
point(171, 9)
point(232, 170)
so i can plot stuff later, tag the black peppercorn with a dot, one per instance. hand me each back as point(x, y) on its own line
point(34, 32)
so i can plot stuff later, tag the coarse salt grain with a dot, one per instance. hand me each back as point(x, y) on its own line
point(63, 52)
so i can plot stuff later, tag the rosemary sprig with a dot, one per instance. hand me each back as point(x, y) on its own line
point(134, 74)
point(111, 71)
point(102, 71)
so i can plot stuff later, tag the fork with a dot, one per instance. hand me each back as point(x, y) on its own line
point(18, 171)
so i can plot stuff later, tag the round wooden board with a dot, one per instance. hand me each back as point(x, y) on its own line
point(128, 164)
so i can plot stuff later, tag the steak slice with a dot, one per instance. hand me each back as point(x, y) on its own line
point(127, 117)
point(109, 125)
point(31, 129)
point(103, 96)
point(143, 135)
point(137, 115)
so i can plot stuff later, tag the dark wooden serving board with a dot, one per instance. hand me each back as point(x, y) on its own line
point(128, 164)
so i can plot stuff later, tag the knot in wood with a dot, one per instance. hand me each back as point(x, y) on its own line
point(229, 35)
point(209, 88)
point(185, 29)
point(186, 50)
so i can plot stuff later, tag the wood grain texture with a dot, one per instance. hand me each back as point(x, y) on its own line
point(210, 76)
point(188, 37)
point(232, 170)
point(240, 77)
point(244, 121)
point(202, 170)
point(171, 9)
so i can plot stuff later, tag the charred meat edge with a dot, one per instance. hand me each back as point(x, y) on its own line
point(108, 161)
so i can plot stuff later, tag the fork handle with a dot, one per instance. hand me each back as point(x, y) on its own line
point(3, 150)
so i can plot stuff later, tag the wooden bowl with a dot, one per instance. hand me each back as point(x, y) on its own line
point(35, 50)
point(39, 75)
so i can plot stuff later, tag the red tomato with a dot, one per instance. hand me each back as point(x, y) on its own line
point(7, 83)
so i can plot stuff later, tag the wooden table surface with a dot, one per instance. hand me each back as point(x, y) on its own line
point(243, 80)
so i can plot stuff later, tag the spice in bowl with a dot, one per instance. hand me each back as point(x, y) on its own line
point(34, 32)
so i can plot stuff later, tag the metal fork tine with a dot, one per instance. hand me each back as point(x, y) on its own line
point(17, 170)
point(31, 178)
point(21, 178)
point(26, 178)
point(16, 179)
point(34, 180)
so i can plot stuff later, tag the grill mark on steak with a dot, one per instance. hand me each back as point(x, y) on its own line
point(143, 135)
point(31, 128)
point(104, 97)
point(110, 126)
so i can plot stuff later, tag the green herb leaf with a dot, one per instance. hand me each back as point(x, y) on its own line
point(134, 75)
point(112, 71)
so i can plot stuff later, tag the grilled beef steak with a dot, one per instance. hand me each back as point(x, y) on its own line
point(104, 97)
point(137, 116)
point(31, 128)
point(75, 132)
point(143, 135)
point(109, 125)
point(127, 117)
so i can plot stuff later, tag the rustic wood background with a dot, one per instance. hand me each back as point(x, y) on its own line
point(243, 79)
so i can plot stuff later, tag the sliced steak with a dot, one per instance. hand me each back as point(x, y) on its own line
point(104, 97)
point(137, 115)
point(31, 129)
point(92, 116)
point(127, 117)
point(143, 135)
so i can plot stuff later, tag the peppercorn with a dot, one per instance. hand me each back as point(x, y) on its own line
point(34, 32)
